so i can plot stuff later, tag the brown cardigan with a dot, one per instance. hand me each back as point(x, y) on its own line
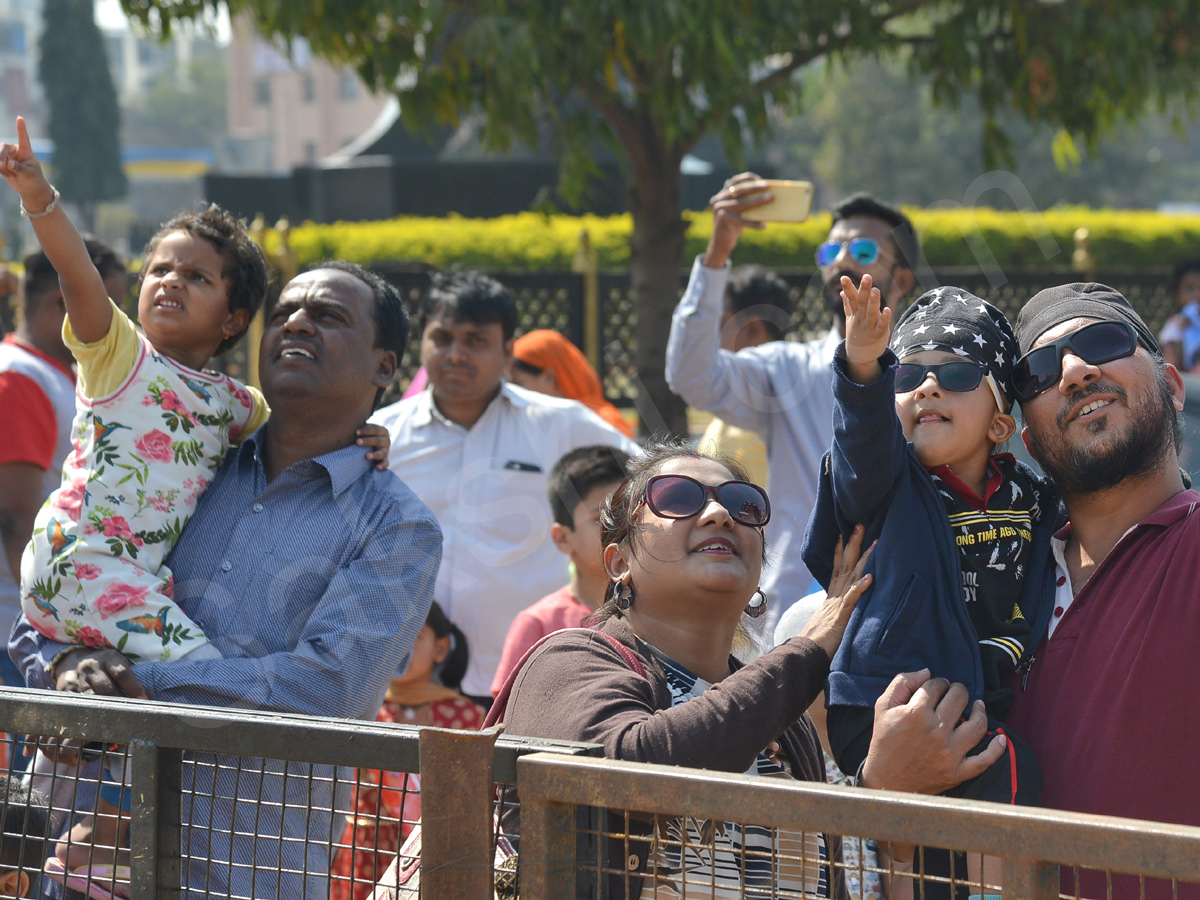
point(577, 687)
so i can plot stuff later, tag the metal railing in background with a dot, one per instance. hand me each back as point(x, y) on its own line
point(597, 311)
point(1097, 857)
point(171, 749)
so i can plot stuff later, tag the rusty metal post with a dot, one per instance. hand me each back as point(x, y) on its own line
point(155, 831)
point(456, 813)
point(547, 859)
point(1030, 879)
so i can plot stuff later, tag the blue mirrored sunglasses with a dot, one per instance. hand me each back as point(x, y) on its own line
point(863, 251)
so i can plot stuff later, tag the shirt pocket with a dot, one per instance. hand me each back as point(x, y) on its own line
point(909, 608)
point(504, 512)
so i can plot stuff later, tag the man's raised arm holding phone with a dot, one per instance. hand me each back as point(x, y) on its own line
point(781, 390)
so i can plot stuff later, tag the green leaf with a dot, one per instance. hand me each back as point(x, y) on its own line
point(1065, 151)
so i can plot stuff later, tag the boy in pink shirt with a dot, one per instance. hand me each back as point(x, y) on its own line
point(578, 484)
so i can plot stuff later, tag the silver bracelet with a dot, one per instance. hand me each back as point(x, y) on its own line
point(53, 205)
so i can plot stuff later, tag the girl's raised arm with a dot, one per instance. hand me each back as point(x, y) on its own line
point(83, 290)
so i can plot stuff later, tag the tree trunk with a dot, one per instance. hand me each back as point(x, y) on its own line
point(656, 248)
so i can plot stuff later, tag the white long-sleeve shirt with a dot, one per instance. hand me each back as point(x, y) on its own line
point(487, 487)
point(783, 391)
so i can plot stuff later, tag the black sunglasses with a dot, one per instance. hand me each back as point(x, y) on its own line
point(681, 496)
point(959, 376)
point(1100, 342)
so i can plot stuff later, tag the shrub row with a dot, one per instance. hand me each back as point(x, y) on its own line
point(950, 237)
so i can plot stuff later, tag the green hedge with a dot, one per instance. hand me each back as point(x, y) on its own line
point(950, 237)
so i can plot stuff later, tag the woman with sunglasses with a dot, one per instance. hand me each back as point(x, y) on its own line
point(656, 680)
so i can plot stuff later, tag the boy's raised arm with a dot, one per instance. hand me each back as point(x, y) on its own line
point(868, 326)
point(84, 293)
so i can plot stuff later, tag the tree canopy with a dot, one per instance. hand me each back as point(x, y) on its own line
point(934, 155)
point(84, 120)
point(649, 79)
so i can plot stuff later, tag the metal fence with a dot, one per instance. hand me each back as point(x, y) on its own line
point(233, 803)
point(555, 300)
point(678, 813)
point(208, 818)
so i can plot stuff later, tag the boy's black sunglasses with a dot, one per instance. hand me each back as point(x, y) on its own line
point(1100, 342)
point(681, 496)
point(958, 376)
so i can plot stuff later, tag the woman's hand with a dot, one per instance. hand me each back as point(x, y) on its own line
point(828, 623)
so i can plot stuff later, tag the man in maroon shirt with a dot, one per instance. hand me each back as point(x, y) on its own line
point(1107, 705)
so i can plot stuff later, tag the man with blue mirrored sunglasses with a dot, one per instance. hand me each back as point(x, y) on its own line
point(782, 390)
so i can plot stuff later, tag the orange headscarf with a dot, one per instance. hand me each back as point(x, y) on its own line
point(576, 378)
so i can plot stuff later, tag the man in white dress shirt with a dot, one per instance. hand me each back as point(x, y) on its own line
point(477, 450)
point(782, 390)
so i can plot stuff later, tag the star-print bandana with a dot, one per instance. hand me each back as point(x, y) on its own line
point(951, 319)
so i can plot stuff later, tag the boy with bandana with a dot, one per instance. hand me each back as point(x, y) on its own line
point(963, 579)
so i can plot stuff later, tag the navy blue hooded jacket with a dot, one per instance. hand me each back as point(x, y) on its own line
point(913, 616)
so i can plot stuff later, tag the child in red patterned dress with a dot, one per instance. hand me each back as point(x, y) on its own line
point(388, 804)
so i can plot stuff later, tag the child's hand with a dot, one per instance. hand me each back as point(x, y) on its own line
point(868, 327)
point(23, 172)
point(376, 437)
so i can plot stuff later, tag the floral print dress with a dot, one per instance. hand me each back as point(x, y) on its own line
point(143, 453)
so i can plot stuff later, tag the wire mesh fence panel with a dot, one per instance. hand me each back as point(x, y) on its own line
point(674, 833)
point(554, 300)
point(219, 803)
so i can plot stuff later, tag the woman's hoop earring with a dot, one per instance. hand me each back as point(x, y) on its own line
point(622, 595)
point(754, 610)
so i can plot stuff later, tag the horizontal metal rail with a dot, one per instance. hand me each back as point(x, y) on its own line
point(239, 732)
point(1131, 846)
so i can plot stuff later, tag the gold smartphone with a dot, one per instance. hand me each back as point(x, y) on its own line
point(792, 202)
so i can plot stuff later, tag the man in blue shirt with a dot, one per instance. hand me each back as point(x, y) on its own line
point(309, 570)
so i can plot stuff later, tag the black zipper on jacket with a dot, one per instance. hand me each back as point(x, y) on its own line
point(1027, 665)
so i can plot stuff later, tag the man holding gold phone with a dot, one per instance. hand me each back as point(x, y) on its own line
point(782, 390)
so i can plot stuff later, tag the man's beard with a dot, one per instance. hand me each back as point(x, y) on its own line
point(1139, 450)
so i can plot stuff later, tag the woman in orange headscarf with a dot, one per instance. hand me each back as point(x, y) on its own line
point(546, 361)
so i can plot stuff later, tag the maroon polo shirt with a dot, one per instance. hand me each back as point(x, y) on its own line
point(1112, 703)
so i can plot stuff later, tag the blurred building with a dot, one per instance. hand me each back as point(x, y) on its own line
point(137, 62)
point(20, 25)
point(287, 109)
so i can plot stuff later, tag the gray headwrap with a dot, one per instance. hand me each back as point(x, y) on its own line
point(951, 319)
point(1056, 305)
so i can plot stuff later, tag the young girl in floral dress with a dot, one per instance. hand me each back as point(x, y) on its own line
point(151, 427)
point(388, 804)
